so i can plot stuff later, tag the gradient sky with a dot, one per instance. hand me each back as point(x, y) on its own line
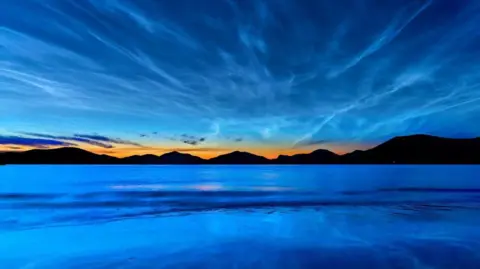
point(273, 77)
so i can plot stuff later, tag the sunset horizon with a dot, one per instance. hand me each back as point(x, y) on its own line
point(128, 77)
point(239, 134)
point(202, 152)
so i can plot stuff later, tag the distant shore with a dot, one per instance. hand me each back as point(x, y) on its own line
point(414, 149)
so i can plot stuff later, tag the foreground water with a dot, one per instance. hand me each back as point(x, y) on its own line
point(240, 217)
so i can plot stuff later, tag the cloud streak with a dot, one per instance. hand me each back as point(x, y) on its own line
point(32, 142)
point(100, 138)
point(264, 71)
point(191, 139)
point(309, 143)
point(71, 139)
point(94, 139)
point(386, 36)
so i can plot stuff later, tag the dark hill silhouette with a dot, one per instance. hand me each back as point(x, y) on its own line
point(319, 156)
point(141, 159)
point(173, 157)
point(239, 157)
point(420, 149)
point(56, 156)
point(414, 149)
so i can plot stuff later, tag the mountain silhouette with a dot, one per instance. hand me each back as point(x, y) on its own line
point(65, 155)
point(141, 159)
point(173, 157)
point(239, 157)
point(319, 156)
point(414, 149)
point(419, 149)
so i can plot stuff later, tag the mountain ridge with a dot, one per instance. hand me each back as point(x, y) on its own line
point(238, 157)
point(412, 149)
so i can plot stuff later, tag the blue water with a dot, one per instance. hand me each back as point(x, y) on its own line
point(240, 217)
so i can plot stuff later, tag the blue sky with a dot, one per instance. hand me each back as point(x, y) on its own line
point(218, 75)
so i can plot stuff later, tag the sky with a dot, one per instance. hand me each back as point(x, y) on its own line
point(207, 77)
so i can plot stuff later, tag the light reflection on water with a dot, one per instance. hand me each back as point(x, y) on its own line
point(201, 187)
point(303, 217)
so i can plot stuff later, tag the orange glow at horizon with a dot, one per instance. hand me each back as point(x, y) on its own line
point(205, 153)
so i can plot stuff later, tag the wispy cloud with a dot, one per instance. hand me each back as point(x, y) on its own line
point(308, 143)
point(94, 140)
point(71, 139)
point(14, 147)
point(265, 71)
point(100, 138)
point(191, 139)
point(32, 142)
point(384, 38)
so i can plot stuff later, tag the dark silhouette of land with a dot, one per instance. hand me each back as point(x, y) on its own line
point(56, 156)
point(414, 149)
point(238, 157)
point(167, 158)
point(319, 156)
point(421, 149)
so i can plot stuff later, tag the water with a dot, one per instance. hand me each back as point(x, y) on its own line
point(239, 217)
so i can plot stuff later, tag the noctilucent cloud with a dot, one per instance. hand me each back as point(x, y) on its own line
point(277, 76)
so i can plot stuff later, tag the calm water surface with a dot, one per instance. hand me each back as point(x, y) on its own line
point(240, 217)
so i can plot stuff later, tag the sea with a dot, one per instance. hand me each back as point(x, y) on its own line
point(240, 216)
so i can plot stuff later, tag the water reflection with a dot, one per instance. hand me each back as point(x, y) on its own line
point(248, 217)
point(363, 237)
point(135, 201)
